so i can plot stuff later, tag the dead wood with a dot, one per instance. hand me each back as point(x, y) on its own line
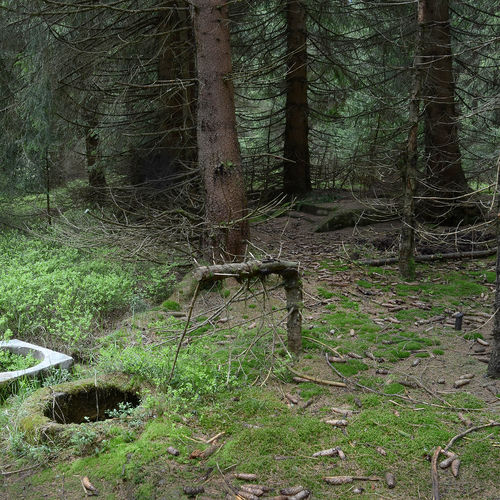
point(349, 479)
point(434, 474)
point(337, 423)
point(88, 487)
point(193, 491)
point(427, 258)
point(331, 452)
point(246, 495)
point(244, 270)
point(292, 490)
point(301, 495)
point(19, 471)
point(316, 380)
point(390, 480)
point(289, 271)
point(444, 464)
point(245, 477)
point(472, 429)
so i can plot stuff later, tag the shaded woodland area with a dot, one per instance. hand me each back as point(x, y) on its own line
point(342, 154)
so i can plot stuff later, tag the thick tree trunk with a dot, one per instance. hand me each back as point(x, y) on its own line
point(445, 177)
point(218, 148)
point(296, 172)
point(409, 171)
point(494, 364)
point(176, 69)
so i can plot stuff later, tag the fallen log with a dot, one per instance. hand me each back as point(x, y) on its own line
point(427, 258)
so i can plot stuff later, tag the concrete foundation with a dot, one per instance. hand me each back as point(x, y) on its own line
point(48, 359)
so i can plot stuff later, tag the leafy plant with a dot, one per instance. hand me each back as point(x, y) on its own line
point(10, 361)
point(65, 293)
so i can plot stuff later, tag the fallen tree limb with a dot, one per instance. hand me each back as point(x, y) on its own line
point(11, 473)
point(244, 270)
point(316, 380)
point(471, 429)
point(427, 258)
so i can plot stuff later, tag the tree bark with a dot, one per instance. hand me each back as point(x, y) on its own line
point(97, 178)
point(409, 171)
point(494, 364)
point(176, 69)
point(218, 148)
point(445, 177)
point(296, 172)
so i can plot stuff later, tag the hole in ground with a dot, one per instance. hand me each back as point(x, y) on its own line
point(92, 404)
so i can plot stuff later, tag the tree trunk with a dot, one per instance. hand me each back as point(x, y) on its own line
point(97, 179)
point(494, 364)
point(218, 148)
point(409, 171)
point(176, 69)
point(296, 172)
point(445, 177)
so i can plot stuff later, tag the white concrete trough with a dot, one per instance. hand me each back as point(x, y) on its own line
point(48, 359)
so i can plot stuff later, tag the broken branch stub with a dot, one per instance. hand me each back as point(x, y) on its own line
point(292, 284)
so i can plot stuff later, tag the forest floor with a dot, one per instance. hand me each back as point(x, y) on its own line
point(392, 343)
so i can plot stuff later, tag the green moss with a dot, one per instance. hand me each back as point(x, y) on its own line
point(394, 388)
point(473, 336)
point(171, 305)
point(422, 355)
point(334, 265)
point(308, 391)
point(352, 367)
point(454, 285)
point(324, 293)
point(416, 313)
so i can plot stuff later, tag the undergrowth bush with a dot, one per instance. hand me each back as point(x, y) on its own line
point(10, 361)
point(62, 292)
point(199, 371)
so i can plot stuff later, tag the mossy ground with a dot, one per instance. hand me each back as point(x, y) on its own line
point(225, 385)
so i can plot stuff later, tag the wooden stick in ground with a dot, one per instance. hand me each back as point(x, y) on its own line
point(434, 474)
point(293, 290)
point(179, 345)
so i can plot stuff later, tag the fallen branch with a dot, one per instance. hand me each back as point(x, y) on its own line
point(179, 345)
point(317, 380)
point(471, 429)
point(19, 471)
point(427, 258)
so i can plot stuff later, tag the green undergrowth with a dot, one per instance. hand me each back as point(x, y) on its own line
point(10, 361)
point(63, 294)
point(210, 362)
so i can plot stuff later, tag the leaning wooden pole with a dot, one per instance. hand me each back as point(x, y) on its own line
point(292, 284)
